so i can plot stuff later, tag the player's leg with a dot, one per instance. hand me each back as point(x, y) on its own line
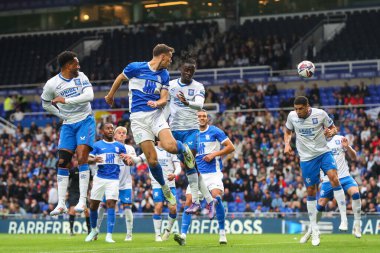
point(112, 195)
point(204, 189)
point(172, 217)
point(97, 194)
point(217, 194)
point(73, 200)
point(329, 167)
point(101, 210)
point(125, 197)
point(88, 224)
point(71, 219)
point(351, 187)
point(155, 168)
point(158, 199)
point(85, 137)
point(64, 162)
point(186, 221)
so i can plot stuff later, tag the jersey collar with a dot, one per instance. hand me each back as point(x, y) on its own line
point(64, 79)
point(183, 84)
point(108, 141)
point(205, 129)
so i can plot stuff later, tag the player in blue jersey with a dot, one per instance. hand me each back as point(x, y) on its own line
point(107, 154)
point(148, 94)
point(68, 96)
point(312, 126)
point(187, 96)
point(209, 164)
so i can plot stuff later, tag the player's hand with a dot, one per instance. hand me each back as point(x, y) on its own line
point(109, 100)
point(152, 104)
point(182, 98)
point(329, 132)
point(57, 100)
point(345, 142)
point(171, 176)
point(127, 159)
point(208, 158)
point(98, 159)
point(288, 149)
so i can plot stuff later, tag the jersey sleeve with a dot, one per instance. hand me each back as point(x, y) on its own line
point(327, 121)
point(130, 150)
point(220, 135)
point(289, 124)
point(85, 82)
point(47, 93)
point(165, 80)
point(123, 150)
point(201, 92)
point(131, 70)
point(94, 151)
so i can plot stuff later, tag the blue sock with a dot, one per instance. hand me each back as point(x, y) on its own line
point(173, 215)
point(83, 167)
point(186, 220)
point(320, 208)
point(180, 147)
point(220, 213)
point(311, 198)
point(191, 171)
point(355, 196)
point(110, 219)
point(157, 174)
point(93, 218)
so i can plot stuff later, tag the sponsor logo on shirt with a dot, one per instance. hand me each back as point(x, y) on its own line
point(315, 120)
point(77, 82)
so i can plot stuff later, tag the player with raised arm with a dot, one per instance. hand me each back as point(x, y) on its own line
point(310, 126)
point(171, 168)
point(148, 94)
point(125, 186)
point(209, 164)
point(107, 153)
point(68, 96)
point(187, 96)
point(339, 147)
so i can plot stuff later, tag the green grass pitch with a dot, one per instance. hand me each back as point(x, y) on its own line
point(267, 243)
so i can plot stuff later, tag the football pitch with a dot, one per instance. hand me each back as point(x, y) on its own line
point(267, 243)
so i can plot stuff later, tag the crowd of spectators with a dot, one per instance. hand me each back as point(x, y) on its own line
point(257, 176)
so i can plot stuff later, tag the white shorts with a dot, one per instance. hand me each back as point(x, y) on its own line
point(212, 181)
point(146, 125)
point(107, 187)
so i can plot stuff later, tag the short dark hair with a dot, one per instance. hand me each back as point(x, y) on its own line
point(190, 59)
point(162, 49)
point(301, 100)
point(65, 57)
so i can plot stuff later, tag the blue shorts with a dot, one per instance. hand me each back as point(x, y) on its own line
point(158, 195)
point(327, 190)
point(311, 169)
point(190, 137)
point(125, 196)
point(80, 133)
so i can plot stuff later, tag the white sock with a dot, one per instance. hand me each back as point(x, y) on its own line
point(312, 211)
point(170, 223)
point(204, 190)
point(84, 179)
point(222, 232)
point(194, 187)
point(341, 200)
point(63, 182)
point(356, 209)
point(157, 226)
point(101, 211)
point(128, 220)
point(109, 235)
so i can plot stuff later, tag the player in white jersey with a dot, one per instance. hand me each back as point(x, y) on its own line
point(209, 164)
point(148, 94)
point(339, 146)
point(186, 98)
point(311, 125)
point(171, 168)
point(125, 185)
point(68, 96)
point(108, 154)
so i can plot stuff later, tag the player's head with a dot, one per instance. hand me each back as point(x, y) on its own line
point(68, 61)
point(163, 53)
point(301, 106)
point(202, 118)
point(188, 69)
point(120, 134)
point(108, 130)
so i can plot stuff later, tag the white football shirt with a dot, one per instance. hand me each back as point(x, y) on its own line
point(310, 138)
point(125, 177)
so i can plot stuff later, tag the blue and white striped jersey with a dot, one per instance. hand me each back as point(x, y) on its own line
point(109, 151)
point(210, 141)
point(144, 84)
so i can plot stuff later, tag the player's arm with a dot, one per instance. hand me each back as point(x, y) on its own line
point(162, 101)
point(47, 96)
point(86, 96)
point(177, 168)
point(115, 86)
point(288, 131)
point(197, 104)
point(228, 148)
point(348, 149)
point(330, 128)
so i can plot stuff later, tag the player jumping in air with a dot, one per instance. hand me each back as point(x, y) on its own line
point(209, 165)
point(148, 93)
point(68, 96)
point(311, 125)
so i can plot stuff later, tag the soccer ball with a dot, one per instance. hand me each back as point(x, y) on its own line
point(306, 69)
